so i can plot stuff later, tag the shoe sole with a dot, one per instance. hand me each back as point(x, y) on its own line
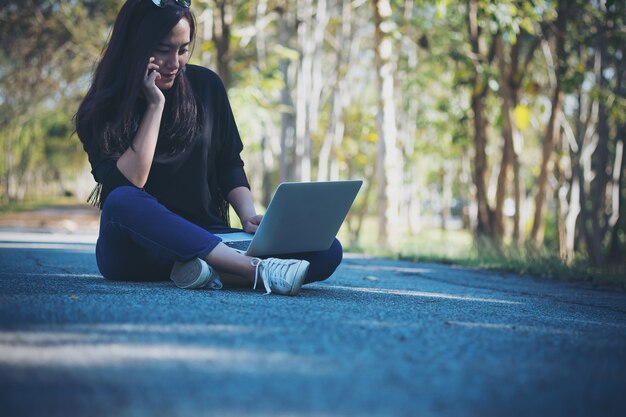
point(186, 271)
point(304, 267)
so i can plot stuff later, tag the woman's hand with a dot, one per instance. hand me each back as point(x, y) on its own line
point(251, 223)
point(136, 161)
point(152, 93)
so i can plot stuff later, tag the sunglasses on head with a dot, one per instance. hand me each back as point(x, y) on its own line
point(181, 3)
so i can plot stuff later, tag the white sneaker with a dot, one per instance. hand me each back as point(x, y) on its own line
point(195, 274)
point(282, 276)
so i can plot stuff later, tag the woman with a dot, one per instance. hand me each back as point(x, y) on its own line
point(165, 151)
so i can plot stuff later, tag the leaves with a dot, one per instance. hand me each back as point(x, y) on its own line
point(49, 48)
point(522, 116)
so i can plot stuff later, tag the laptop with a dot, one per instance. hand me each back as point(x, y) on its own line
point(301, 217)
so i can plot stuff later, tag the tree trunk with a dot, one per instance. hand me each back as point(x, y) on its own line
point(479, 92)
point(205, 34)
point(616, 199)
point(519, 194)
point(571, 219)
point(615, 221)
point(307, 87)
point(318, 63)
point(447, 177)
point(513, 66)
point(259, 30)
point(600, 163)
point(287, 129)
point(554, 122)
point(585, 145)
point(389, 169)
point(336, 125)
point(356, 225)
point(507, 134)
point(408, 114)
point(221, 37)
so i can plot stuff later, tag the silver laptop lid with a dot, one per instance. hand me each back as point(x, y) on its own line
point(304, 217)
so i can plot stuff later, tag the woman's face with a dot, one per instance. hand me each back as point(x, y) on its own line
point(172, 53)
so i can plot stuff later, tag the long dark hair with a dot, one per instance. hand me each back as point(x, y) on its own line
point(110, 113)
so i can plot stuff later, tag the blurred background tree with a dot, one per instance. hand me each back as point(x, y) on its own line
point(502, 119)
point(47, 52)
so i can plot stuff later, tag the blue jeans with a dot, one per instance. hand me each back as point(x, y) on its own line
point(140, 239)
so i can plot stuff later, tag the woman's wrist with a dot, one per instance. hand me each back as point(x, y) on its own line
point(156, 105)
point(247, 218)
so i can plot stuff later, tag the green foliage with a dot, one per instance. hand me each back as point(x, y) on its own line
point(49, 49)
point(65, 156)
point(458, 248)
point(47, 52)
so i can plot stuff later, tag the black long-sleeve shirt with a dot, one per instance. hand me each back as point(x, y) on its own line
point(194, 182)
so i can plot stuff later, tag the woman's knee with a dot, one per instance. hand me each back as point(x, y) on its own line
point(335, 254)
point(325, 263)
point(122, 197)
point(125, 203)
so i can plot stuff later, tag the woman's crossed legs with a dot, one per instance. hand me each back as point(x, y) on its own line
point(141, 240)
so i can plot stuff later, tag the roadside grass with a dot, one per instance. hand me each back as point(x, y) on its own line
point(38, 204)
point(458, 247)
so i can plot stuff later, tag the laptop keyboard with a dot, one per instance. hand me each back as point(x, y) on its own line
point(241, 245)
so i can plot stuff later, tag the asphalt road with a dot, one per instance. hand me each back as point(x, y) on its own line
point(380, 338)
